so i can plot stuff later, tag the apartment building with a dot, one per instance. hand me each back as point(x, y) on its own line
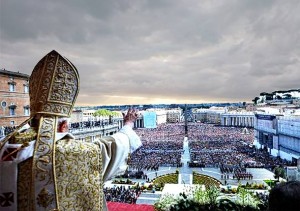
point(14, 98)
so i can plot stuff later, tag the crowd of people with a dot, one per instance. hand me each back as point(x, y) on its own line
point(88, 124)
point(5, 130)
point(262, 158)
point(162, 146)
point(209, 146)
point(242, 174)
point(122, 194)
point(214, 146)
point(227, 148)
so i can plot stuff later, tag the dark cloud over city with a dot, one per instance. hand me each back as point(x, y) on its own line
point(145, 51)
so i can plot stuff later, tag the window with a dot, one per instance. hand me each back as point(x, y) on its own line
point(12, 86)
point(26, 110)
point(3, 104)
point(26, 88)
point(12, 111)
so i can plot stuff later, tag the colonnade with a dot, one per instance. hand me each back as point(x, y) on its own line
point(90, 135)
point(237, 120)
point(138, 124)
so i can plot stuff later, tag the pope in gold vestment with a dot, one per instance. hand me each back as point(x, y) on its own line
point(41, 169)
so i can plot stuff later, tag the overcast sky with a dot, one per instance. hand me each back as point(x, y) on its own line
point(155, 51)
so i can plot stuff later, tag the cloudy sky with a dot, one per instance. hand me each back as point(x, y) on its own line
point(159, 51)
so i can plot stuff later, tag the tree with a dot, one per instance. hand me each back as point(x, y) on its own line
point(255, 100)
point(105, 112)
point(287, 96)
point(269, 97)
point(279, 172)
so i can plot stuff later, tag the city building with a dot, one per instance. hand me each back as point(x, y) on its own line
point(279, 134)
point(174, 115)
point(237, 119)
point(88, 115)
point(211, 115)
point(14, 98)
point(76, 116)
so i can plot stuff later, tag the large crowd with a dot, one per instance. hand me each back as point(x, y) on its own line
point(209, 146)
point(122, 194)
point(162, 146)
point(227, 148)
point(214, 146)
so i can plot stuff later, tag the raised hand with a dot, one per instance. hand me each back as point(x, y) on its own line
point(130, 117)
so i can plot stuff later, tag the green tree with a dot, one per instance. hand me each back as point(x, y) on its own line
point(105, 112)
point(279, 172)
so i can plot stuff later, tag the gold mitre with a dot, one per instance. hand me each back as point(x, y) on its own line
point(53, 86)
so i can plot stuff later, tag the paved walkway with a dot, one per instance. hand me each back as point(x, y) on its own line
point(185, 176)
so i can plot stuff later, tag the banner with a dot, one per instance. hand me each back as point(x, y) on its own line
point(149, 118)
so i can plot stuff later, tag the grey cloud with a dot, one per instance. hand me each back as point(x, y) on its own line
point(147, 50)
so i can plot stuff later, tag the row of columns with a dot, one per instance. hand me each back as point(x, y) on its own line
point(90, 136)
point(139, 123)
point(242, 121)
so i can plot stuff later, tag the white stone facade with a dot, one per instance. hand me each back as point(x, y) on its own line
point(238, 119)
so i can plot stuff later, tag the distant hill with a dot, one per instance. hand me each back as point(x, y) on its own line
point(283, 96)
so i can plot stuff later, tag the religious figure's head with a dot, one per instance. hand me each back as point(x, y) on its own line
point(53, 86)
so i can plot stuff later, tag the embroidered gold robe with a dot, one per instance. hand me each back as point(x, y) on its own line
point(80, 170)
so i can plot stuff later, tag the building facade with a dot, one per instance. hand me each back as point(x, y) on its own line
point(289, 137)
point(279, 135)
point(174, 115)
point(14, 98)
point(211, 115)
point(238, 119)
